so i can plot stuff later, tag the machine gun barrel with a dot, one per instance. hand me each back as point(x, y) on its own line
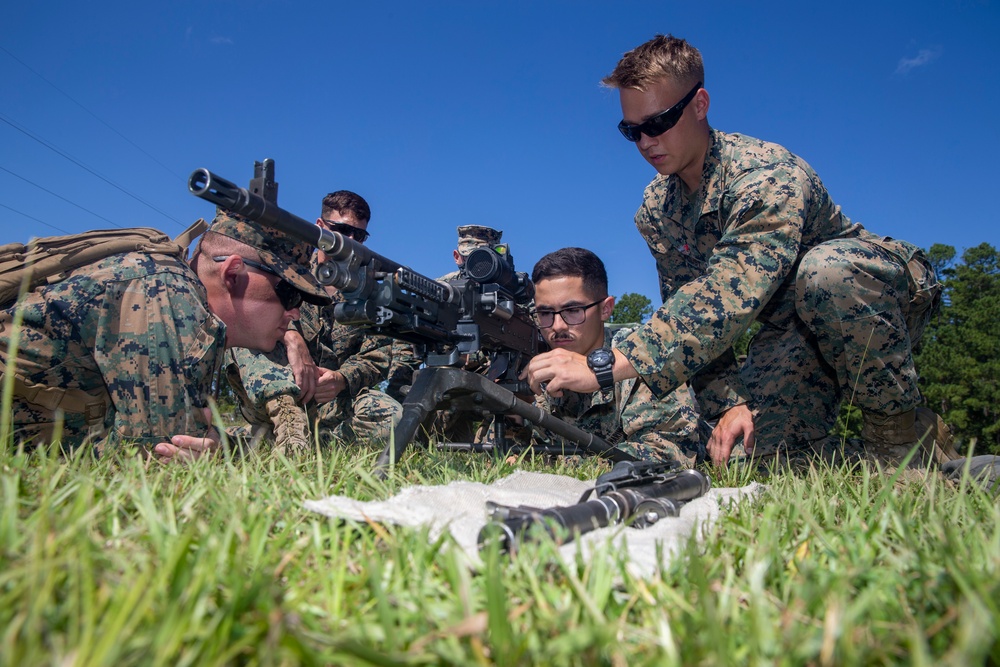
point(338, 248)
point(211, 187)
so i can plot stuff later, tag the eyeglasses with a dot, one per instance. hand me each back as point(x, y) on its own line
point(355, 233)
point(288, 294)
point(660, 123)
point(571, 316)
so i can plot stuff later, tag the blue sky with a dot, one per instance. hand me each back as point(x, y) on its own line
point(450, 113)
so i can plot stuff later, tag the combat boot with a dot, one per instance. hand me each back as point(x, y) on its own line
point(933, 432)
point(889, 438)
point(289, 424)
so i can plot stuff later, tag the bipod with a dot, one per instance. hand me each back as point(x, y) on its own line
point(466, 390)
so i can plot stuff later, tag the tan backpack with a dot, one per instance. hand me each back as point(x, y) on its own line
point(45, 261)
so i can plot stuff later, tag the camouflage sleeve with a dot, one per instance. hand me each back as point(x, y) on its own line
point(540, 437)
point(652, 429)
point(370, 365)
point(158, 348)
point(257, 377)
point(702, 317)
point(404, 364)
point(719, 386)
point(664, 429)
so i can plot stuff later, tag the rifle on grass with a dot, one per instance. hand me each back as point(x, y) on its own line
point(635, 494)
point(484, 311)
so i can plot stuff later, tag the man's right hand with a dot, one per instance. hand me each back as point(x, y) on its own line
point(304, 369)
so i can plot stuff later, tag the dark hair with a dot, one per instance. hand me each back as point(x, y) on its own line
point(345, 201)
point(578, 262)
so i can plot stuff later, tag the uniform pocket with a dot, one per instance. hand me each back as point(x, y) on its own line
point(925, 296)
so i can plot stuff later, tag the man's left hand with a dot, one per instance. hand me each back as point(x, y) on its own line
point(304, 369)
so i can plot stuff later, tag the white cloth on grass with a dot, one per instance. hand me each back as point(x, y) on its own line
point(460, 508)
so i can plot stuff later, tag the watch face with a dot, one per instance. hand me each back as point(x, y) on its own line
point(599, 358)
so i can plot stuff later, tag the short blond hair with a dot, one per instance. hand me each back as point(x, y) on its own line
point(663, 57)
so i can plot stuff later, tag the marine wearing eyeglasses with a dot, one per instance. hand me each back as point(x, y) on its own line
point(742, 230)
point(572, 306)
point(321, 373)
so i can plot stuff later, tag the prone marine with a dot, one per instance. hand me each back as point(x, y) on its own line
point(126, 348)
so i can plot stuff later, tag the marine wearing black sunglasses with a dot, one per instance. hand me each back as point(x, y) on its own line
point(356, 233)
point(661, 122)
point(289, 295)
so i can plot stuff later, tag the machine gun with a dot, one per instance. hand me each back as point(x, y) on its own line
point(484, 311)
point(637, 494)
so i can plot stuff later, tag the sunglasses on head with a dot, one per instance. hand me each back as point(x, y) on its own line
point(661, 122)
point(288, 294)
point(355, 233)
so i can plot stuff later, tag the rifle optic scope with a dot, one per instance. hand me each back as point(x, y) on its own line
point(486, 265)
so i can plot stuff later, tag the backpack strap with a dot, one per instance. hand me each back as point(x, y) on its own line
point(185, 238)
point(76, 401)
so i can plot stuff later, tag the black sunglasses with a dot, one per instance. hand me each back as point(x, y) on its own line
point(355, 233)
point(288, 294)
point(572, 315)
point(661, 122)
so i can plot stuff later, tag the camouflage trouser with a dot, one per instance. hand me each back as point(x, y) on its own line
point(370, 416)
point(844, 330)
point(267, 395)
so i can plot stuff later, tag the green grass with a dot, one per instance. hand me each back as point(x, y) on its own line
point(124, 561)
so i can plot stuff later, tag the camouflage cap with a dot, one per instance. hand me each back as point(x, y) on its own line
point(289, 258)
point(471, 237)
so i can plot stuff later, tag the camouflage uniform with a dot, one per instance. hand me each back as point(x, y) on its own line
point(122, 330)
point(630, 417)
point(405, 363)
point(267, 392)
point(762, 240)
point(135, 332)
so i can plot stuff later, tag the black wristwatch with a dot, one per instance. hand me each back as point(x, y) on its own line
point(602, 362)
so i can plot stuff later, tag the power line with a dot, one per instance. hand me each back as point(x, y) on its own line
point(86, 168)
point(93, 115)
point(58, 229)
point(60, 197)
